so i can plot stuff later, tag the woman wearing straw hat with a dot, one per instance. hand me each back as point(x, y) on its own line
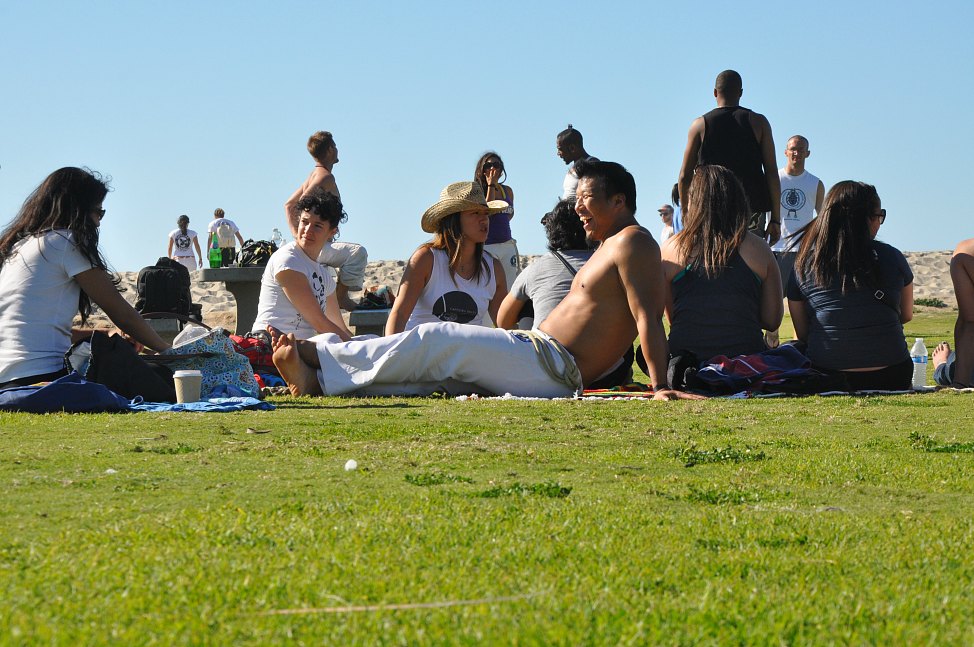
point(500, 243)
point(452, 278)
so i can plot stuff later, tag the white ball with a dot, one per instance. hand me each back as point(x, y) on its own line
point(351, 465)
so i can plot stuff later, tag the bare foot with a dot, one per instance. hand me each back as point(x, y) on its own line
point(275, 335)
point(941, 353)
point(301, 379)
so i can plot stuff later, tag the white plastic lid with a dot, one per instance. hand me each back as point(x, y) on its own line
point(187, 373)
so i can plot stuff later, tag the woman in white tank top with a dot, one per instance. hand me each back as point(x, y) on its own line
point(452, 278)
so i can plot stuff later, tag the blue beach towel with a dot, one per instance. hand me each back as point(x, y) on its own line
point(71, 393)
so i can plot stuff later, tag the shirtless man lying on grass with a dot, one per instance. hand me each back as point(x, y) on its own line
point(615, 296)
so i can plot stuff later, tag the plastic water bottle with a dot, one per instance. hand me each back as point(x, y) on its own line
point(919, 355)
point(277, 238)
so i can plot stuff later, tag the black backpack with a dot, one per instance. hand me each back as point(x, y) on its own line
point(256, 253)
point(164, 287)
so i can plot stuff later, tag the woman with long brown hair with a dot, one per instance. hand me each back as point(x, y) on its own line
point(722, 285)
point(451, 278)
point(51, 269)
point(850, 294)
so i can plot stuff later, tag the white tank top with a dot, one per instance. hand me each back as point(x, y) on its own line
point(798, 193)
point(453, 298)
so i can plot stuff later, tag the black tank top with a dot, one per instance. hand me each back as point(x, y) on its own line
point(729, 141)
point(718, 316)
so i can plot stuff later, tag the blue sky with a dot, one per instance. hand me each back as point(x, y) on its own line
point(193, 106)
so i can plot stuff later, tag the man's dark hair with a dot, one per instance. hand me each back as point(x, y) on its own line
point(324, 205)
point(570, 136)
point(729, 83)
point(563, 228)
point(609, 179)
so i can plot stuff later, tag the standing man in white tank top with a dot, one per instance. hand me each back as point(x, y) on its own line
point(801, 200)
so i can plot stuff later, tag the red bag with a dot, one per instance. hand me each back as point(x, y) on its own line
point(257, 349)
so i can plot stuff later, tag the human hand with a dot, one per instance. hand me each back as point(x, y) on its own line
point(492, 175)
point(773, 233)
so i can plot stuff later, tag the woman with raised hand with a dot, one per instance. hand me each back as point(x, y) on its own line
point(849, 294)
point(451, 278)
point(721, 283)
point(297, 293)
point(50, 269)
point(500, 243)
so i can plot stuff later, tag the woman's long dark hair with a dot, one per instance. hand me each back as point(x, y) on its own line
point(838, 244)
point(478, 174)
point(448, 235)
point(183, 223)
point(64, 200)
point(715, 223)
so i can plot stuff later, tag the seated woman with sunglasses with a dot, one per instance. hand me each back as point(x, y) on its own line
point(500, 243)
point(451, 278)
point(297, 293)
point(849, 294)
point(51, 268)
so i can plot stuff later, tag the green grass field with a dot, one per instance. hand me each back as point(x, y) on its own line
point(840, 520)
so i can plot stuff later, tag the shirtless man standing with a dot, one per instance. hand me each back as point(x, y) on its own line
point(617, 294)
point(349, 259)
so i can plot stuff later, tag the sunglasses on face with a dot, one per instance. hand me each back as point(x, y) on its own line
point(496, 165)
point(881, 215)
point(100, 212)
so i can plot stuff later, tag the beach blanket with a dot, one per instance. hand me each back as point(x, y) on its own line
point(73, 394)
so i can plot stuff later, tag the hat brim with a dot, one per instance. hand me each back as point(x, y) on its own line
point(442, 209)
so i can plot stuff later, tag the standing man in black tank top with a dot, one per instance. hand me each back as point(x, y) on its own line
point(741, 140)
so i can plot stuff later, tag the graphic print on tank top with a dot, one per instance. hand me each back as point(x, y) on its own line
point(455, 307)
point(182, 241)
point(792, 201)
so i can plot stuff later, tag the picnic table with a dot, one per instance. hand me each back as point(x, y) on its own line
point(244, 284)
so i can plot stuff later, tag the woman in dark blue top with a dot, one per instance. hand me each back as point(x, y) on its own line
point(850, 294)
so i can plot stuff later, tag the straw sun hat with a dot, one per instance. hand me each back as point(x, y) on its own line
point(459, 196)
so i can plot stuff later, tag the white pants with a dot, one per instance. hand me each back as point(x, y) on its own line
point(189, 262)
point(510, 260)
point(349, 259)
point(432, 357)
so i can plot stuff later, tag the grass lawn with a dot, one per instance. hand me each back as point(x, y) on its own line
point(814, 521)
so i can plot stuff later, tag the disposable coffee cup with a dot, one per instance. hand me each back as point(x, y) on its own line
point(188, 385)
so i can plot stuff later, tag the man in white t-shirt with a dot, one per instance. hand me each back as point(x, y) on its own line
point(224, 229)
point(801, 199)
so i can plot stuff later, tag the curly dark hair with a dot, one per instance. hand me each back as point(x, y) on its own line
point(325, 205)
point(563, 228)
